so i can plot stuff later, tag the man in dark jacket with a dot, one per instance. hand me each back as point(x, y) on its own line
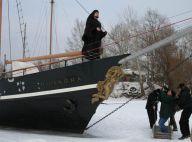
point(185, 103)
point(167, 108)
point(172, 118)
point(151, 106)
point(92, 37)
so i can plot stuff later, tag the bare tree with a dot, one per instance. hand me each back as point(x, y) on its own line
point(125, 33)
point(121, 34)
point(154, 27)
point(75, 42)
point(183, 65)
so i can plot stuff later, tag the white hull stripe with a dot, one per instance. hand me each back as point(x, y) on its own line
point(42, 93)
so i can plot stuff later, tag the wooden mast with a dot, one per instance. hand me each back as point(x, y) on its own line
point(51, 29)
point(0, 25)
point(24, 41)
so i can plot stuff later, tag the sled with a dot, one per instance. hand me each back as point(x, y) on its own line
point(161, 135)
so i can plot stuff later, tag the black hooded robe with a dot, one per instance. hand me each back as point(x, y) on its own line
point(92, 38)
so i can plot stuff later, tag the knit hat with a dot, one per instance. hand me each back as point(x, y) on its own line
point(165, 88)
point(181, 85)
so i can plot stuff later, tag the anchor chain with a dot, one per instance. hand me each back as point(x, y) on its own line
point(116, 109)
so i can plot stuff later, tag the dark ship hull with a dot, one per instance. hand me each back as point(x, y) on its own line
point(58, 99)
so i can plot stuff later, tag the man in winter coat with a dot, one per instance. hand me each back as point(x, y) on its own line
point(167, 108)
point(172, 118)
point(92, 37)
point(151, 106)
point(185, 103)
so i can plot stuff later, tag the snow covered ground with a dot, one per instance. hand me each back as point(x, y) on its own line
point(129, 124)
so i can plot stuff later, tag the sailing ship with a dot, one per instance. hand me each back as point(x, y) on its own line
point(55, 99)
point(65, 98)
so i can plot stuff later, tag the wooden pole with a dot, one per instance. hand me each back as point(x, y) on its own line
point(54, 62)
point(69, 54)
point(51, 29)
point(0, 25)
point(24, 41)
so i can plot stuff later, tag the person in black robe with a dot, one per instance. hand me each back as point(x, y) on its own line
point(151, 106)
point(92, 37)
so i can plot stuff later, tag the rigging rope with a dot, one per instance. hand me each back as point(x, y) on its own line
point(43, 28)
point(149, 31)
point(117, 41)
point(136, 35)
point(22, 25)
point(179, 64)
point(20, 16)
point(42, 23)
point(82, 7)
point(116, 109)
point(185, 12)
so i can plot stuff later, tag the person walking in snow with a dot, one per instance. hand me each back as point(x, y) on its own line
point(92, 37)
point(184, 103)
point(151, 106)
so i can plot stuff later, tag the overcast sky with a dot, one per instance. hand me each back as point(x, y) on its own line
point(37, 11)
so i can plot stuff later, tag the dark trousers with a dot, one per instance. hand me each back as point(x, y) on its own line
point(152, 114)
point(184, 121)
point(173, 122)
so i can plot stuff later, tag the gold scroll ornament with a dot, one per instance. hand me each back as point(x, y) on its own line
point(106, 87)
